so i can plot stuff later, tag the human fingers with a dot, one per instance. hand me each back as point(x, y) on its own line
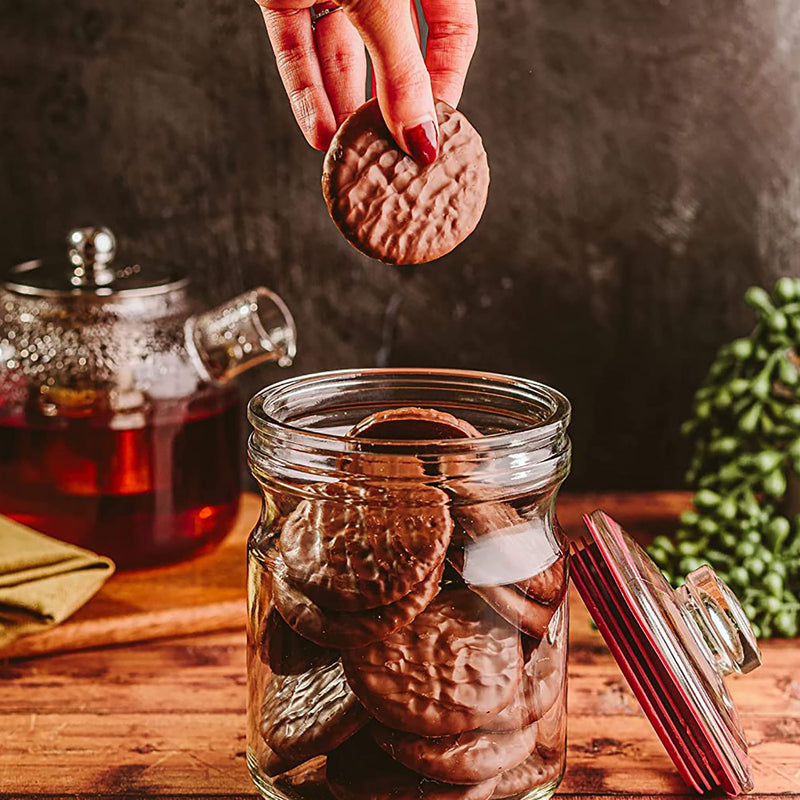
point(452, 37)
point(342, 61)
point(403, 84)
point(292, 39)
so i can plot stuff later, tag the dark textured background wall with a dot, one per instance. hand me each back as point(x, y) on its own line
point(645, 163)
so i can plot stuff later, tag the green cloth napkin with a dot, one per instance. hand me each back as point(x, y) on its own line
point(42, 580)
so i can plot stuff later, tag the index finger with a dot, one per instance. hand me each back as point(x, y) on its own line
point(292, 38)
point(402, 81)
point(452, 37)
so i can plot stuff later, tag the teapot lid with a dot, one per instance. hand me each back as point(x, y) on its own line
point(90, 270)
point(674, 647)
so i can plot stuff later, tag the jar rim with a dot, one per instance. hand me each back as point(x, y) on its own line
point(554, 407)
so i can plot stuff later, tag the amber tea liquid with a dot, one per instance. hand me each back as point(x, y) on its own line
point(142, 490)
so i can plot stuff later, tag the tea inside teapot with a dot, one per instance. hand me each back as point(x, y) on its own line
point(119, 426)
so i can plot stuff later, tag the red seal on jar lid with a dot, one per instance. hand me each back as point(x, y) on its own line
point(674, 648)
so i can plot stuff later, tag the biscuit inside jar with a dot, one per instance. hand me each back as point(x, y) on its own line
point(412, 672)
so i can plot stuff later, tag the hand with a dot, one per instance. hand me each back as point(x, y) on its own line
point(324, 67)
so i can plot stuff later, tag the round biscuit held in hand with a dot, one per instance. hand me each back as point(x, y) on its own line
point(392, 208)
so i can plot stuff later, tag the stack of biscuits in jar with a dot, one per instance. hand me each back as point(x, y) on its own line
point(387, 657)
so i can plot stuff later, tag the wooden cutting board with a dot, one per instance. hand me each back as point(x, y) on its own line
point(209, 592)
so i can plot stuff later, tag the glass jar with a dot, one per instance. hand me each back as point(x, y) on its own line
point(407, 626)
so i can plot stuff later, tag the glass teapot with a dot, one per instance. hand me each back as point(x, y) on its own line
point(119, 427)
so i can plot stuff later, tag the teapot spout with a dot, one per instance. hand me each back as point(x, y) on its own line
point(243, 332)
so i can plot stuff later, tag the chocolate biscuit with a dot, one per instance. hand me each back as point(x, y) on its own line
point(345, 629)
point(450, 670)
point(360, 770)
point(469, 757)
point(534, 771)
point(286, 653)
point(395, 425)
point(413, 424)
point(516, 541)
point(551, 731)
point(392, 208)
point(361, 546)
point(524, 613)
point(537, 692)
point(309, 714)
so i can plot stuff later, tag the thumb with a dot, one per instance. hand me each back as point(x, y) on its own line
point(402, 80)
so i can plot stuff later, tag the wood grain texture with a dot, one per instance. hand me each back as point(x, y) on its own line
point(208, 592)
point(643, 162)
point(166, 718)
point(204, 594)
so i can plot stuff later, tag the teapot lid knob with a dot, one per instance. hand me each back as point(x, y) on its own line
point(91, 251)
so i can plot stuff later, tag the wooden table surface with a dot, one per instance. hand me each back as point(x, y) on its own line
point(166, 718)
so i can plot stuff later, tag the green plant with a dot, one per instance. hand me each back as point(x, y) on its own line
point(745, 433)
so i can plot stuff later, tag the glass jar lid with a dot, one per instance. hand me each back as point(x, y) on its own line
point(89, 269)
point(674, 647)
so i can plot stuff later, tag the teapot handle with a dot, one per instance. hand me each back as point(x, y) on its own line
point(247, 330)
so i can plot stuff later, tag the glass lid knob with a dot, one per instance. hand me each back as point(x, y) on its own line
point(91, 253)
point(719, 622)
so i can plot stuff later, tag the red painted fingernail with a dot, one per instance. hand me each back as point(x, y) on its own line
point(423, 142)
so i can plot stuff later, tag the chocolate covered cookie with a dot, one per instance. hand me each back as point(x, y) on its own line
point(286, 652)
point(413, 424)
point(526, 614)
point(390, 207)
point(363, 546)
point(534, 771)
point(402, 425)
point(537, 692)
point(551, 731)
point(469, 757)
point(522, 612)
point(450, 670)
point(311, 713)
point(360, 770)
point(524, 553)
point(345, 629)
